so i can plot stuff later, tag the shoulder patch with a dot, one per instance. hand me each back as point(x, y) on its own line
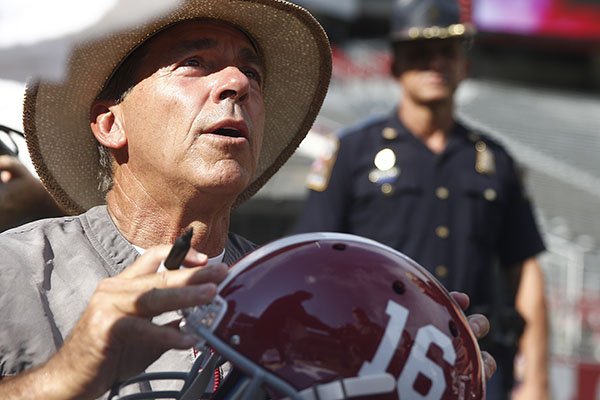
point(320, 171)
point(485, 161)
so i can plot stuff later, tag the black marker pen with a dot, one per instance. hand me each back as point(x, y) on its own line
point(179, 250)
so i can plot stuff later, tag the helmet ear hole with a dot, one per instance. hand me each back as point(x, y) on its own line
point(453, 328)
point(398, 287)
point(339, 246)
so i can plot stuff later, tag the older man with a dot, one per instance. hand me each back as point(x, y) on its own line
point(192, 114)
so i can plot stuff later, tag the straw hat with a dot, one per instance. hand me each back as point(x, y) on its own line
point(297, 58)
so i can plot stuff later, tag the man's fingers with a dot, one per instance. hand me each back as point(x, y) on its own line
point(151, 259)
point(147, 263)
point(142, 291)
point(153, 294)
point(178, 289)
point(13, 166)
point(165, 279)
point(135, 334)
point(194, 259)
point(8, 162)
point(158, 301)
point(150, 335)
point(461, 298)
point(112, 306)
point(489, 364)
point(479, 325)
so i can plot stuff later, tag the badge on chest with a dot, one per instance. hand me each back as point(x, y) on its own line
point(485, 162)
point(386, 171)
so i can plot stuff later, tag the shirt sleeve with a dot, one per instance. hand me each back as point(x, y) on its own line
point(519, 238)
point(326, 210)
point(24, 311)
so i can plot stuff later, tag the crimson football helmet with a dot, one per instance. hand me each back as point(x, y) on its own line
point(328, 316)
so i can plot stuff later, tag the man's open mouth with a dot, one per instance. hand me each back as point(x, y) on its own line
point(229, 132)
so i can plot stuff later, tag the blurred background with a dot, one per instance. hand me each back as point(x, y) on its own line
point(535, 87)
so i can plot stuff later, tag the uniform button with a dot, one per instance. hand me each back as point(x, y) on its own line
point(389, 133)
point(387, 189)
point(441, 271)
point(442, 232)
point(489, 194)
point(442, 193)
point(480, 146)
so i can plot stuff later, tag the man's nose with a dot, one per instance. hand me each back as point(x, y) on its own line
point(232, 84)
point(437, 60)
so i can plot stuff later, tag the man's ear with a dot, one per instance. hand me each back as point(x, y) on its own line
point(397, 66)
point(394, 68)
point(106, 125)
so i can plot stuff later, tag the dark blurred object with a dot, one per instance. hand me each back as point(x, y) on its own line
point(569, 20)
point(263, 219)
point(6, 149)
point(506, 323)
point(553, 43)
point(23, 198)
point(348, 19)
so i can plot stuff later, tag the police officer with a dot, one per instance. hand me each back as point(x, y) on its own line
point(421, 182)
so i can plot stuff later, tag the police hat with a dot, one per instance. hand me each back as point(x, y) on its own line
point(427, 19)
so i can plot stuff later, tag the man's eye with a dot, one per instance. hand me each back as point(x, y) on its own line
point(192, 62)
point(251, 73)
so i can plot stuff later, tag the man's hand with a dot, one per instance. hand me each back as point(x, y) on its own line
point(480, 326)
point(23, 198)
point(115, 338)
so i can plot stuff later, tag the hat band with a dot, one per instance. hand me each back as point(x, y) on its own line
point(434, 32)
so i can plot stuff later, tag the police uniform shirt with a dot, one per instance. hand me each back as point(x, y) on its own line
point(452, 212)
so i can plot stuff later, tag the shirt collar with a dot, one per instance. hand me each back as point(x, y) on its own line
point(459, 133)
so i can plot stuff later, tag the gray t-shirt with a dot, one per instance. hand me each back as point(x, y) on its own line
point(48, 272)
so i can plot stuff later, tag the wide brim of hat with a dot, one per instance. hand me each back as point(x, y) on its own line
point(297, 58)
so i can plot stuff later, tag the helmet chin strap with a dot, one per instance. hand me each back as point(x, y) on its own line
point(198, 386)
point(257, 376)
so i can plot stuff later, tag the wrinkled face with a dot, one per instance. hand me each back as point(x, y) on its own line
point(430, 70)
point(195, 119)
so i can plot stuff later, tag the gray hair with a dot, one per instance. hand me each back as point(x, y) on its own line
point(118, 86)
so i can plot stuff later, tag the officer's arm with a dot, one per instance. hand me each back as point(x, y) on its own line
point(533, 346)
point(329, 182)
